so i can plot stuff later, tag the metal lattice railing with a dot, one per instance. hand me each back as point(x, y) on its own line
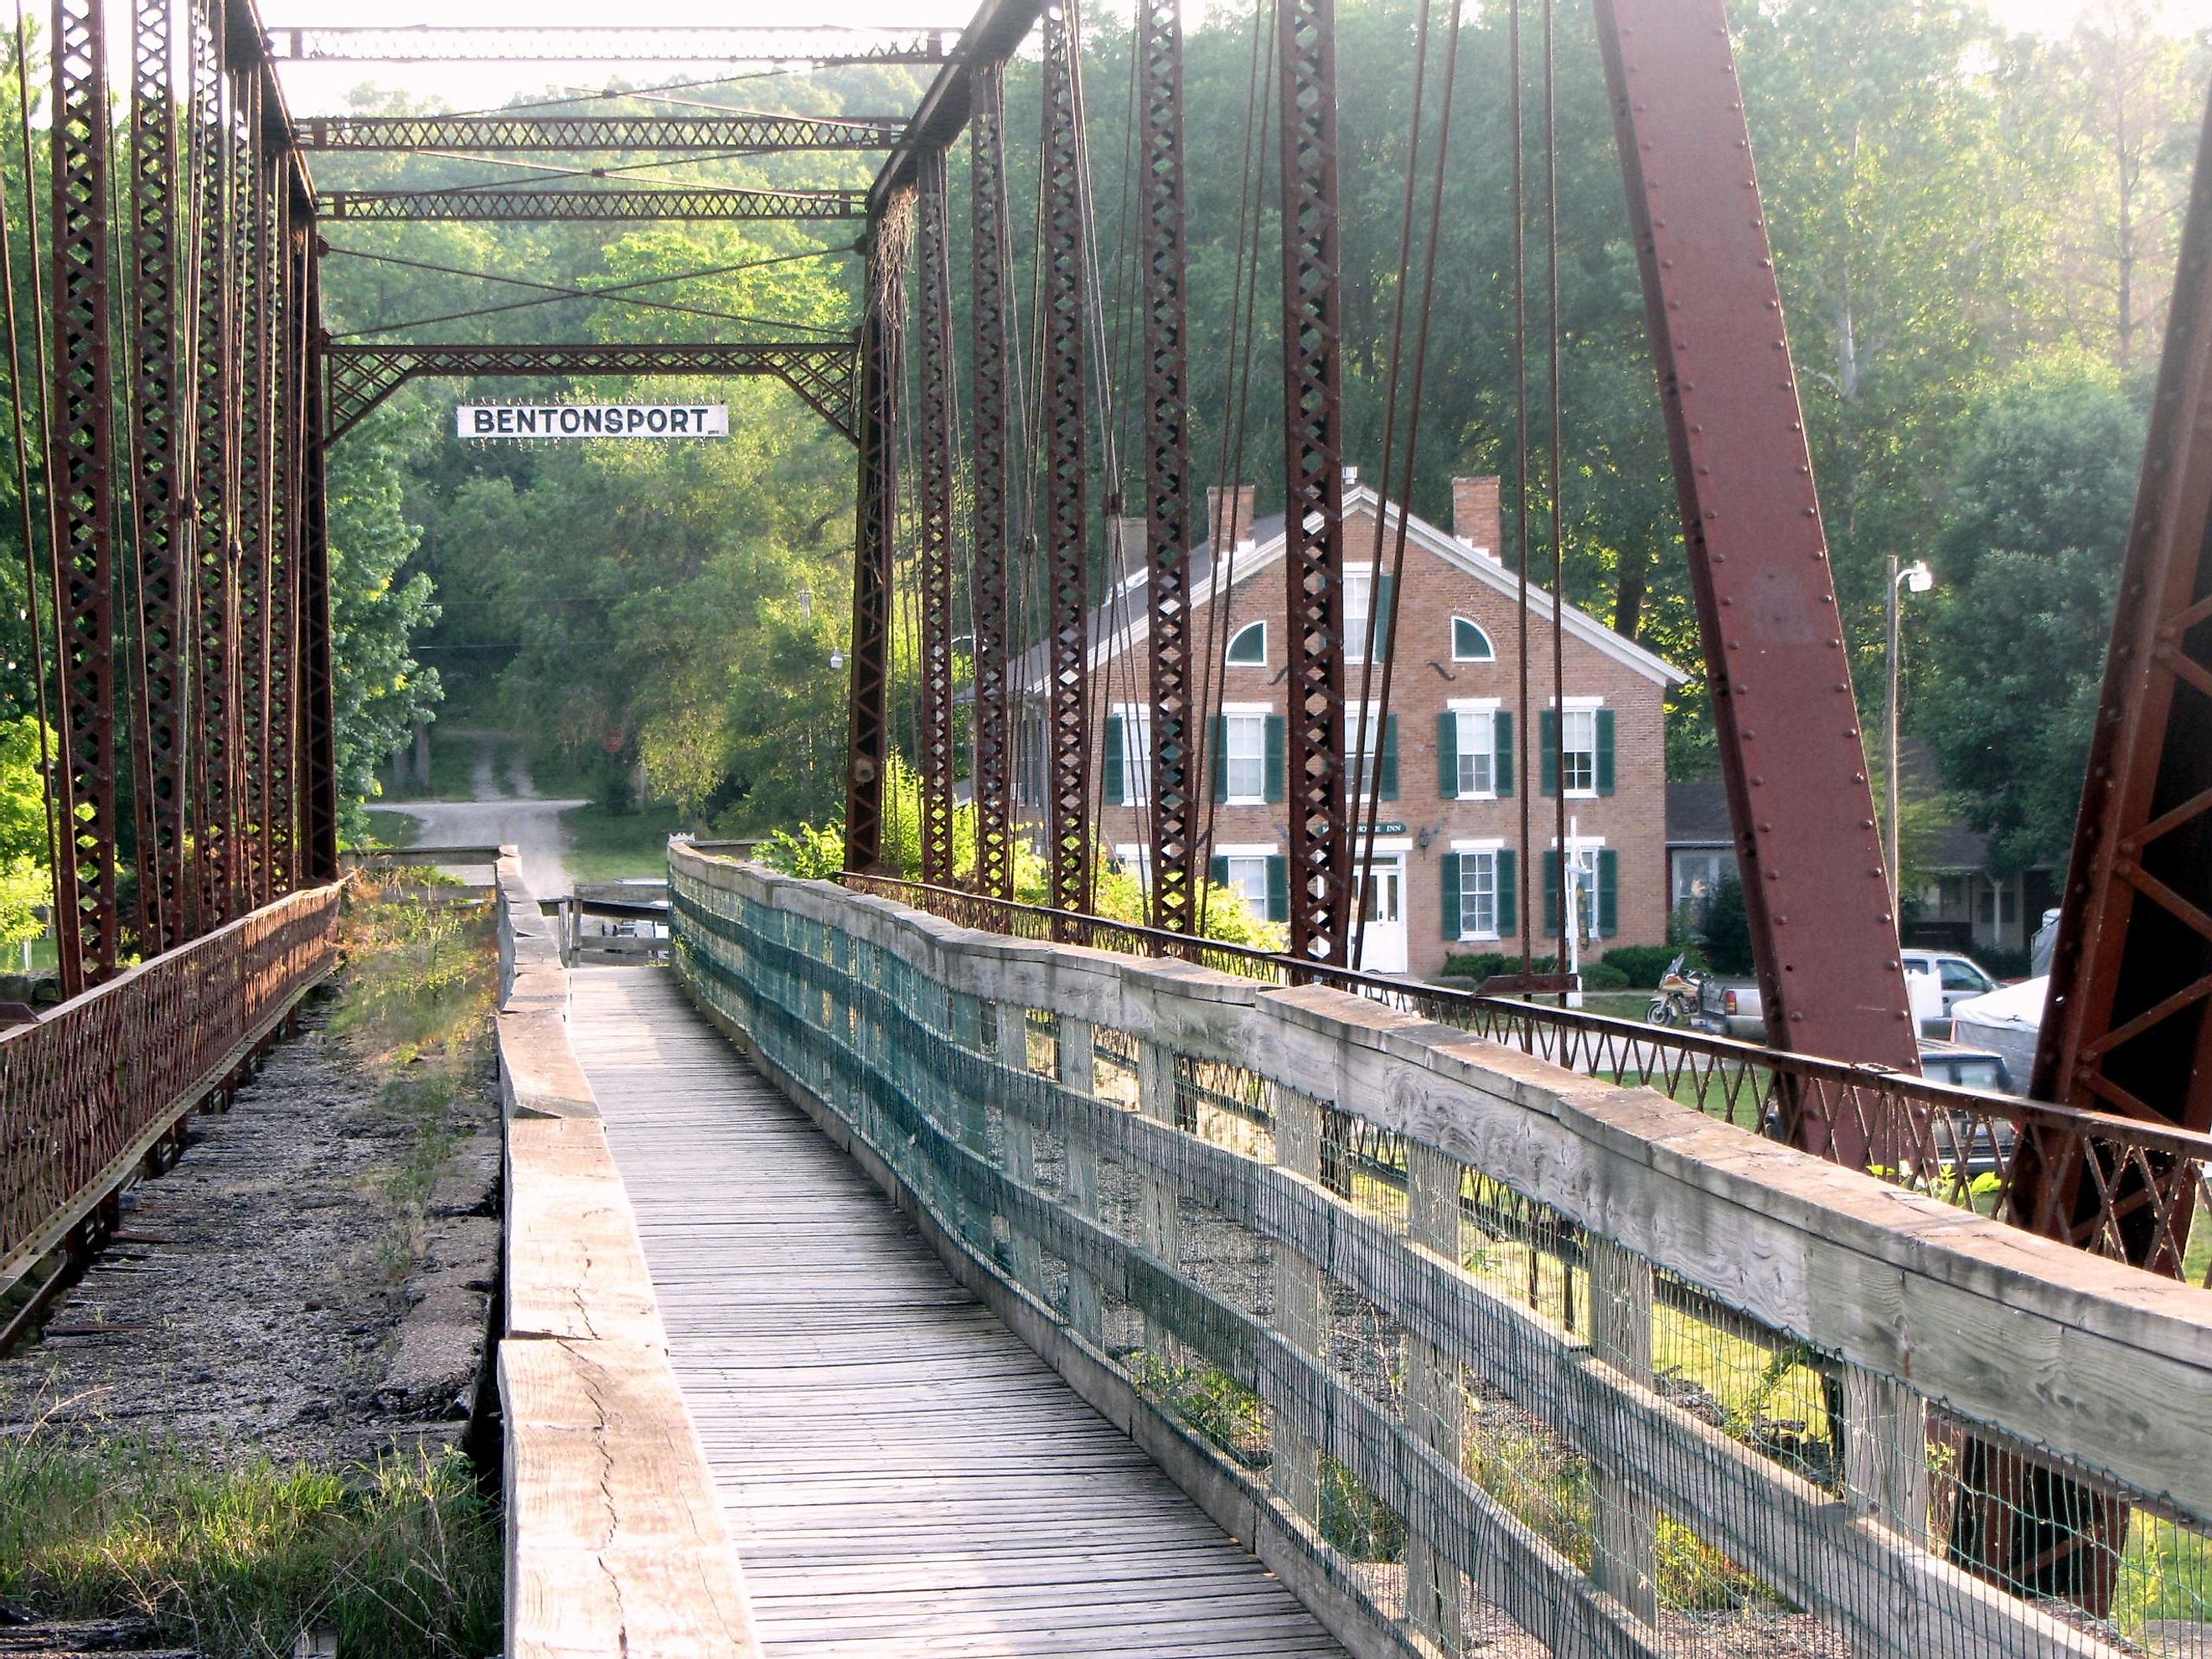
point(1972, 1148)
point(1509, 1361)
point(82, 1087)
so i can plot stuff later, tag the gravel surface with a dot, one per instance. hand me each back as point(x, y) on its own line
point(262, 1299)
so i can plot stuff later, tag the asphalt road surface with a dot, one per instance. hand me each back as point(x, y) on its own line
point(507, 812)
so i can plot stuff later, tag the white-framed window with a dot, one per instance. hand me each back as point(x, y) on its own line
point(1578, 750)
point(1136, 727)
point(1248, 645)
point(1360, 721)
point(1359, 612)
point(1477, 752)
point(1136, 858)
point(1469, 642)
point(1477, 893)
point(1248, 876)
point(1244, 736)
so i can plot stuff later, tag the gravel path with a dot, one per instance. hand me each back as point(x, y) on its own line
point(260, 1300)
point(505, 812)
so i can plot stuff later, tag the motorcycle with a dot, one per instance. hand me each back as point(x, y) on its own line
point(1676, 1003)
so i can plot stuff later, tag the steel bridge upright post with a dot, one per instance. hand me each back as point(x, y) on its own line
point(1313, 520)
point(318, 833)
point(1067, 511)
point(2128, 1023)
point(82, 479)
point(868, 711)
point(1792, 754)
point(289, 349)
point(994, 768)
point(160, 488)
point(249, 481)
point(214, 447)
point(1167, 464)
point(934, 318)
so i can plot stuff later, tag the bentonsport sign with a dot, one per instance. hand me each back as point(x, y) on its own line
point(593, 419)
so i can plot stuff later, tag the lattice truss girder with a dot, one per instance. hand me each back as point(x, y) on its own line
point(1067, 511)
point(215, 653)
point(718, 133)
point(1175, 811)
point(818, 44)
point(878, 371)
point(502, 206)
point(83, 487)
point(360, 377)
point(933, 325)
point(989, 222)
point(1313, 414)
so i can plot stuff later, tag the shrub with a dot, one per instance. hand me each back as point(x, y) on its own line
point(1603, 977)
point(1640, 965)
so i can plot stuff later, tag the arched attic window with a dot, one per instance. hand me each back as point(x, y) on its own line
point(1248, 648)
point(1470, 643)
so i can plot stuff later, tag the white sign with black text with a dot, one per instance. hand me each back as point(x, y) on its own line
point(592, 421)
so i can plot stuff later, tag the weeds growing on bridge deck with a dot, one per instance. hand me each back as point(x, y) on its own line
point(400, 1558)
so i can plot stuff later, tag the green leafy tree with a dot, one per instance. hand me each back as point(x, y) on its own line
point(376, 608)
point(2029, 562)
point(26, 881)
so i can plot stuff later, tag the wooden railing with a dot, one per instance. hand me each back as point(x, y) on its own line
point(87, 1087)
point(1461, 1341)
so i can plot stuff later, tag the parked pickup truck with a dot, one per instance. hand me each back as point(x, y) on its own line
point(1730, 1007)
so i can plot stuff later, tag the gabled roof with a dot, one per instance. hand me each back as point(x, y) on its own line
point(1123, 621)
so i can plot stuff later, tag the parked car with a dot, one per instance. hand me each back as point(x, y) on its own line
point(1979, 1145)
point(1955, 977)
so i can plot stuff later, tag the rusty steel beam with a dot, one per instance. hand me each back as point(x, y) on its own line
point(498, 205)
point(215, 649)
point(316, 856)
point(737, 132)
point(291, 351)
point(82, 478)
point(2128, 1023)
point(1067, 542)
point(160, 491)
point(933, 443)
point(990, 221)
point(990, 37)
point(1175, 813)
point(868, 745)
point(1313, 441)
point(821, 45)
point(1791, 751)
point(360, 377)
point(249, 544)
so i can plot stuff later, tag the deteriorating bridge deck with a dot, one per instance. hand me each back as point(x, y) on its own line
point(900, 1474)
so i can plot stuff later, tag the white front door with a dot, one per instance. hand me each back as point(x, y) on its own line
point(1383, 932)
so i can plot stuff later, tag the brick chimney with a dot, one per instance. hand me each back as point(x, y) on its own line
point(1476, 517)
point(1246, 495)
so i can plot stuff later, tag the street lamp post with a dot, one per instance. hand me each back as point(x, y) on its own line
point(1919, 578)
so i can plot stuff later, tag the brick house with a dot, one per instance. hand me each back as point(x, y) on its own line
point(1449, 763)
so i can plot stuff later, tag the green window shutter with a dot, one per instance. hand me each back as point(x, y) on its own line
point(1279, 888)
point(1502, 768)
point(1116, 786)
point(1509, 893)
point(1217, 871)
point(1220, 758)
point(1385, 779)
point(1547, 773)
point(1275, 760)
point(1447, 867)
point(1448, 754)
point(1551, 894)
point(1385, 622)
point(1605, 751)
point(1608, 892)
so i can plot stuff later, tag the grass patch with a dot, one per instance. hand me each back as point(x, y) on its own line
point(605, 846)
point(399, 1559)
point(389, 830)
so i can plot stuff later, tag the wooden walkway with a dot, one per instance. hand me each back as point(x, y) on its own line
point(901, 1475)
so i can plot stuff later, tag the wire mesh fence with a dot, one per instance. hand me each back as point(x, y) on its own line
point(2125, 1188)
point(1470, 1410)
